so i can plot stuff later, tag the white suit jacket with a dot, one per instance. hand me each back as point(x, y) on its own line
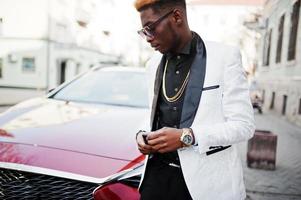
point(224, 117)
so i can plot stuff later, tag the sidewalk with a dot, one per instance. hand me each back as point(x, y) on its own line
point(285, 182)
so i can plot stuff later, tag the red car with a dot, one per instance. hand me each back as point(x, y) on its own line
point(78, 139)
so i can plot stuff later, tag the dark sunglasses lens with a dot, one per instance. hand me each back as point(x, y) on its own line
point(148, 33)
point(144, 33)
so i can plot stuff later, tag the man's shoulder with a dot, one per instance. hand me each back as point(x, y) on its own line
point(223, 53)
point(221, 47)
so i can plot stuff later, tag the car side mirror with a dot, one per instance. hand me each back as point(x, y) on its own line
point(50, 90)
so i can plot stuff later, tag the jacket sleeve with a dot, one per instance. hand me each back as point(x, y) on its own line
point(237, 110)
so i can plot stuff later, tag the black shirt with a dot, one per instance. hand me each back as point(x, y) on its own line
point(168, 114)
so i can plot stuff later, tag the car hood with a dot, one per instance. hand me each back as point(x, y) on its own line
point(93, 140)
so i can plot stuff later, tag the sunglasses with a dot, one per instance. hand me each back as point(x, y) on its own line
point(149, 30)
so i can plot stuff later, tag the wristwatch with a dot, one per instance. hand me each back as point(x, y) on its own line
point(187, 137)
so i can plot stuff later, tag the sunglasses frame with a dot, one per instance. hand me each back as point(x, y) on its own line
point(149, 30)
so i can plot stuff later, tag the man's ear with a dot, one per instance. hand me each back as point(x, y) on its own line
point(178, 17)
point(179, 21)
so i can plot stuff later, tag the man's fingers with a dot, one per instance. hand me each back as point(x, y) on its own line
point(142, 150)
point(160, 147)
point(161, 132)
point(145, 149)
point(154, 135)
point(145, 146)
point(156, 141)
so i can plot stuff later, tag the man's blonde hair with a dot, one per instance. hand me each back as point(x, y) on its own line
point(158, 4)
point(143, 3)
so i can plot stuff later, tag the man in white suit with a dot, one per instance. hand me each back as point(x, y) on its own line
point(200, 109)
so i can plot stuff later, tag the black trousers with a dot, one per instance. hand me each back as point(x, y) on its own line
point(163, 182)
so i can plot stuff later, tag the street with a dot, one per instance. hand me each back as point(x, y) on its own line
point(285, 182)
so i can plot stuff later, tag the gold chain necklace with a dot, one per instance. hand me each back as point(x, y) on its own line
point(179, 94)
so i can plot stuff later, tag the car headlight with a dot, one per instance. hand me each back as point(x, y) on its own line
point(122, 185)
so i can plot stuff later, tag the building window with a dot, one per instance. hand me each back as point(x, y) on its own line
point(263, 96)
point(28, 65)
point(62, 72)
point(293, 32)
point(82, 23)
point(1, 67)
point(280, 36)
point(1, 24)
point(267, 48)
point(272, 101)
point(299, 107)
point(284, 104)
point(78, 68)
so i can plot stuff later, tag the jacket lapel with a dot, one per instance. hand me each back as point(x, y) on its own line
point(158, 81)
point(194, 87)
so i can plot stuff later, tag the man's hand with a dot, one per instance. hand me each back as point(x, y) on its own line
point(143, 148)
point(165, 140)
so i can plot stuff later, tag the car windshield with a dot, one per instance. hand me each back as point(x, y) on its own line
point(122, 88)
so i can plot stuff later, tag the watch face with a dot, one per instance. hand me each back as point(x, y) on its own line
point(187, 139)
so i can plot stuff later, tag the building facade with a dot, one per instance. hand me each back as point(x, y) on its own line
point(46, 42)
point(279, 71)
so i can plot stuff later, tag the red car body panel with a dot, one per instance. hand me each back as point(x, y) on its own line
point(92, 140)
point(116, 191)
point(62, 160)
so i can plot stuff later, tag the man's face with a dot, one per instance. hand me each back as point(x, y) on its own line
point(164, 37)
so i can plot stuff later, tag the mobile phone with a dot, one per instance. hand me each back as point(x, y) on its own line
point(144, 138)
